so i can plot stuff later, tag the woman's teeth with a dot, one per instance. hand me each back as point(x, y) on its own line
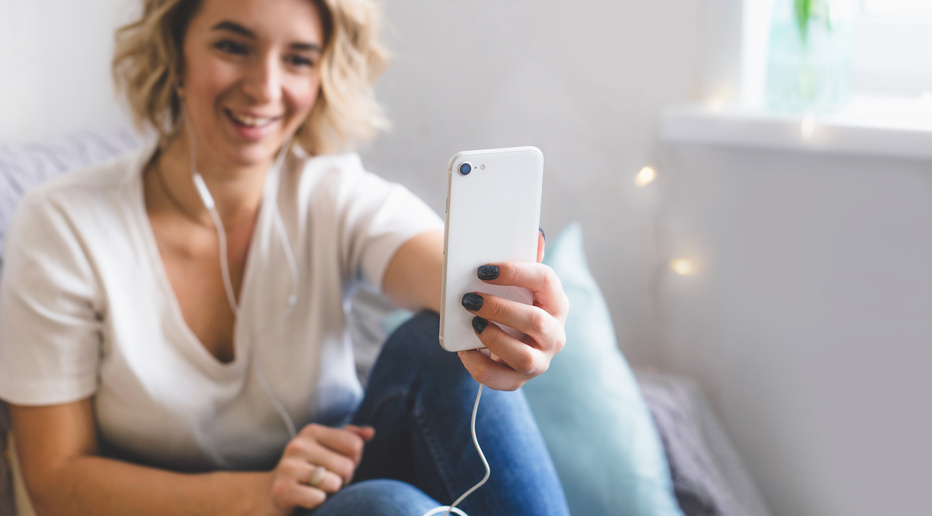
point(250, 121)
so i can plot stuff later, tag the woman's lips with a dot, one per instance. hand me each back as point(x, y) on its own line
point(252, 127)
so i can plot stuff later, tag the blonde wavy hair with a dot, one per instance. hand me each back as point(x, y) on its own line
point(148, 60)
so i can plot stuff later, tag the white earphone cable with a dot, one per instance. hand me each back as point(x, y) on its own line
point(209, 203)
point(207, 199)
point(488, 470)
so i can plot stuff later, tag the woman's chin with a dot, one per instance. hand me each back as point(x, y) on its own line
point(254, 155)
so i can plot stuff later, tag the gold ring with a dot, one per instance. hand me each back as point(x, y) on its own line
point(316, 476)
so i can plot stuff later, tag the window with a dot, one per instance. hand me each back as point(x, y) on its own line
point(890, 108)
point(890, 57)
point(890, 48)
point(898, 7)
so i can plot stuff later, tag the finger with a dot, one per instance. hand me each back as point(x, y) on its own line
point(329, 481)
point(491, 373)
point(340, 440)
point(307, 449)
point(533, 321)
point(365, 432)
point(304, 496)
point(288, 489)
point(538, 278)
point(541, 244)
point(519, 356)
point(336, 464)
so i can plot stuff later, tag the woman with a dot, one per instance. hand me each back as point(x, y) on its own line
point(164, 317)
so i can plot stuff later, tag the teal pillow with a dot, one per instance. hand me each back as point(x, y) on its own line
point(597, 426)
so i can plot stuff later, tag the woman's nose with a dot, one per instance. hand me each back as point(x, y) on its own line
point(263, 80)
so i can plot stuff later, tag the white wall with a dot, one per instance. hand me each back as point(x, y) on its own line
point(807, 322)
point(583, 81)
point(55, 67)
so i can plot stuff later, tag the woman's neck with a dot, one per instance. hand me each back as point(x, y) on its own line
point(236, 190)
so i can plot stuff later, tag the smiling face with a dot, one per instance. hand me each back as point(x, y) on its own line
point(250, 76)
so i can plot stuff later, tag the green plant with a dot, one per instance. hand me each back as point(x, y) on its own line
point(809, 10)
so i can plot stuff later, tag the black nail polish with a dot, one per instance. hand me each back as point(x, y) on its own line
point(543, 234)
point(472, 301)
point(488, 272)
point(479, 324)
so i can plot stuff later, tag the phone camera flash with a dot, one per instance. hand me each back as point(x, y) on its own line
point(481, 167)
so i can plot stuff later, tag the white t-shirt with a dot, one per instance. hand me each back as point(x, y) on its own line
point(86, 309)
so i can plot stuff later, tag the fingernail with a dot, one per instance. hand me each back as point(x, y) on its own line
point(543, 234)
point(488, 272)
point(472, 301)
point(479, 324)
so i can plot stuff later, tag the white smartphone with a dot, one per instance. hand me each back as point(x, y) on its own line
point(493, 215)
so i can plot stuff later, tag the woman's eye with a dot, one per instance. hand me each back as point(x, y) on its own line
point(299, 61)
point(231, 47)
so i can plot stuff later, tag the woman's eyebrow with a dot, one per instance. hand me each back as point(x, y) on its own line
point(236, 28)
point(313, 47)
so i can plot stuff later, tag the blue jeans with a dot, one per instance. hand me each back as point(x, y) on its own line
point(419, 398)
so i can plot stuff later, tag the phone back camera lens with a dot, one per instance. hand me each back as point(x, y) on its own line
point(465, 169)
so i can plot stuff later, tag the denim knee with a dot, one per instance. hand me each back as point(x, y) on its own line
point(378, 497)
point(415, 347)
point(422, 328)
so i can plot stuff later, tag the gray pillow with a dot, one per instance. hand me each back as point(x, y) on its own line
point(708, 477)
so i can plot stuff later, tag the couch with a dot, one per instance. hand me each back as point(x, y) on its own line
point(665, 451)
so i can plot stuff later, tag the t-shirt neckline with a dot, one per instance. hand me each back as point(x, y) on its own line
point(241, 331)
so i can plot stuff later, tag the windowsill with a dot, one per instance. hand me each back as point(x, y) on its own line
point(899, 128)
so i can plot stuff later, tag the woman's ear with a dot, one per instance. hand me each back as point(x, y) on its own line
point(178, 81)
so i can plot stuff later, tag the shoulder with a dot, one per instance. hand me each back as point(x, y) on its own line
point(114, 174)
point(82, 201)
point(339, 177)
point(329, 166)
point(93, 188)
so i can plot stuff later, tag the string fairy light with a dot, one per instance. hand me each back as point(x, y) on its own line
point(807, 128)
point(716, 103)
point(683, 267)
point(645, 177)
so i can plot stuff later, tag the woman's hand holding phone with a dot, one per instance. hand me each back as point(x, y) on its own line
point(515, 308)
point(507, 362)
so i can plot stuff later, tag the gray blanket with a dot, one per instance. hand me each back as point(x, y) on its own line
point(709, 478)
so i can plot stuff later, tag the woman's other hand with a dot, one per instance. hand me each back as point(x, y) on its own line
point(319, 461)
point(508, 363)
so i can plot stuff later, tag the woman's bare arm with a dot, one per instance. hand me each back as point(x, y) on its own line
point(58, 452)
point(412, 279)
